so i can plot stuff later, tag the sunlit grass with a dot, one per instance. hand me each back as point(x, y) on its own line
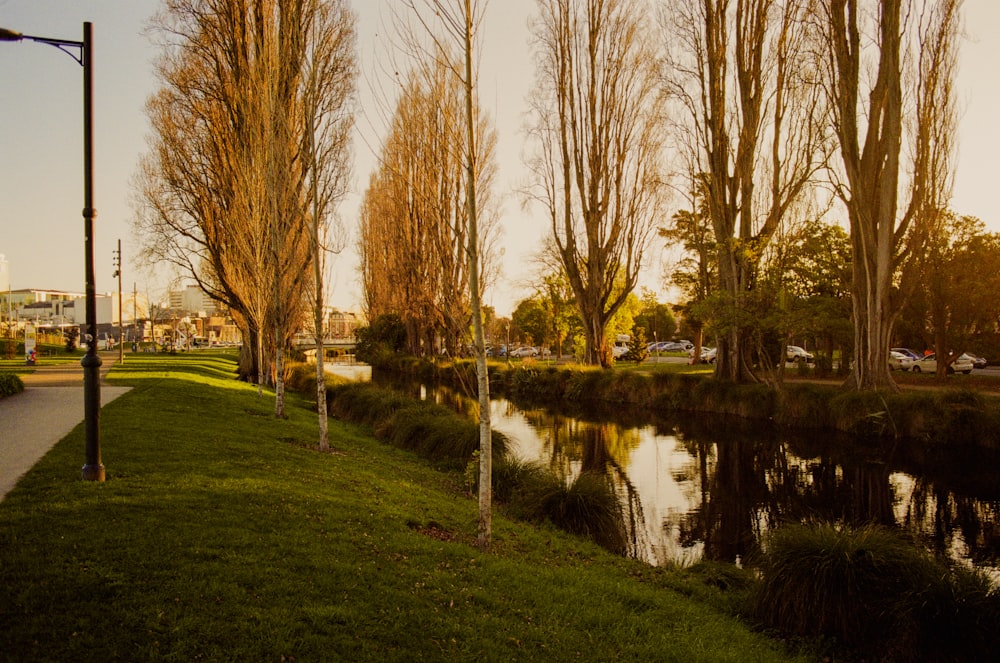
point(222, 534)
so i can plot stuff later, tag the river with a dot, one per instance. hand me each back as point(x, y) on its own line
point(706, 487)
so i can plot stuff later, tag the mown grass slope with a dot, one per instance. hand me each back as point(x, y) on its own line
point(222, 534)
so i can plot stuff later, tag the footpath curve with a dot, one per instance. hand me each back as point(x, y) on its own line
point(50, 406)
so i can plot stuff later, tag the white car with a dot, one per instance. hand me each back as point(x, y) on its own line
point(899, 361)
point(797, 354)
point(707, 355)
point(524, 351)
point(928, 364)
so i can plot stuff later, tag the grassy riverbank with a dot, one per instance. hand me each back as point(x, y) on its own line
point(221, 534)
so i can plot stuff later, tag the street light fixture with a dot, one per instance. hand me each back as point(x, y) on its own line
point(82, 52)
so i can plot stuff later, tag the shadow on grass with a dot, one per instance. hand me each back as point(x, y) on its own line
point(202, 367)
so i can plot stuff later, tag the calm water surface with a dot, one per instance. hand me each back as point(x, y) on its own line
point(706, 487)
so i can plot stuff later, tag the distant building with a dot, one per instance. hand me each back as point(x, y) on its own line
point(343, 323)
point(54, 307)
point(193, 301)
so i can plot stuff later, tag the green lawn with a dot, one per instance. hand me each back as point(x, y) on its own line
point(221, 534)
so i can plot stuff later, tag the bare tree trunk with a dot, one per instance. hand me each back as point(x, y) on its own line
point(317, 258)
point(260, 363)
point(871, 145)
point(599, 131)
point(279, 375)
point(482, 376)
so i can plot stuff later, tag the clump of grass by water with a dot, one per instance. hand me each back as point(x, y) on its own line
point(873, 593)
point(805, 406)
point(364, 403)
point(727, 397)
point(587, 506)
point(436, 433)
point(864, 413)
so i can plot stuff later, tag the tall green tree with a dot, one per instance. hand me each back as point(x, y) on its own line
point(696, 271)
point(533, 321)
point(959, 280)
point(815, 287)
point(655, 317)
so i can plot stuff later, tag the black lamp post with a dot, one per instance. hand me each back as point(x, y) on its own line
point(93, 470)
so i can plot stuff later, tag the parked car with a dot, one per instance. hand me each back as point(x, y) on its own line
point(677, 346)
point(899, 361)
point(524, 351)
point(928, 364)
point(707, 355)
point(908, 352)
point(977, 361)
point(797, 354)
point(618, 350)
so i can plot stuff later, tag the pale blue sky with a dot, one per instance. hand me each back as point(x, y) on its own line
point(41, 190)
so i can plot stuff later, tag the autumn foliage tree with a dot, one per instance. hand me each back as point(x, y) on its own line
point(414, 225)
point(239, 156)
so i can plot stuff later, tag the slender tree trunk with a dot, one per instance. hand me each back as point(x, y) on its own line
point(260, 363)
point(324, 434)
point(279, 375)
point(482, 376)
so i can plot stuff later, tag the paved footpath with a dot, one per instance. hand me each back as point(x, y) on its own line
point(50, 406)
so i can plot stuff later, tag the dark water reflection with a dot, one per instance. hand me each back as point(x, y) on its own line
point(709, 487)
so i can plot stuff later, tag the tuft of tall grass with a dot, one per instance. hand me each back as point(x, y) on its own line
point(436, 433)
point(874, 593)
point(958, 618)
point(589, 507)
point(864, 413)
point(364, 403)
point(512, 479)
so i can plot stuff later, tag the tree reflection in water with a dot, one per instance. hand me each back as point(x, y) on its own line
point(703, 486)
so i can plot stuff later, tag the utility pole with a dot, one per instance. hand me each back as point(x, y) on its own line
point(135, 321)
point(121, 317)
